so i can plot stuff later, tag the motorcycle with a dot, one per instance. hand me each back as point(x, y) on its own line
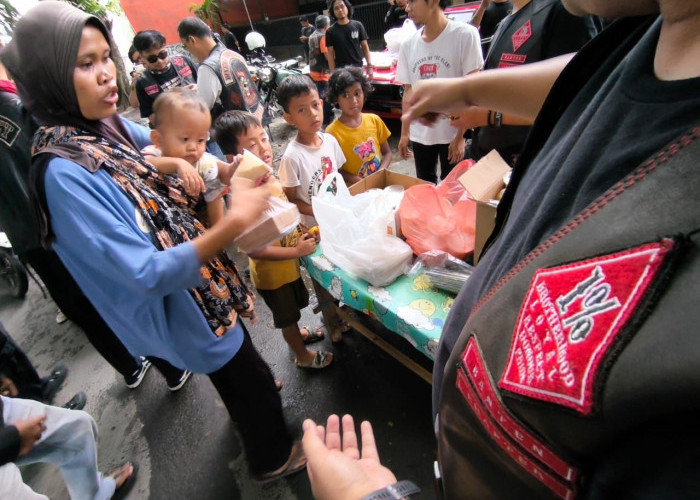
point(12, 271)
point(268, 74)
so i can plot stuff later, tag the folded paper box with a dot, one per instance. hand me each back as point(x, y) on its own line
point(278, 220)
point(483, 182)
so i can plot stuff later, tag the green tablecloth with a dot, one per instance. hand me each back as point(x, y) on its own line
point(409, 306)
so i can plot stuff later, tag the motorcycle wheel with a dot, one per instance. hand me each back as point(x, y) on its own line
point(13, 273)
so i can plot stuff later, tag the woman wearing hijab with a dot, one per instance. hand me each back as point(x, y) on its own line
point(129, 236)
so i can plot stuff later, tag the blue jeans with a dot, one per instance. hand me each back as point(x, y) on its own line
point(69, 441)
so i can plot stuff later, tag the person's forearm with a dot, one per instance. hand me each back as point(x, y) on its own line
point(386, 159)
point(366, 52)
point(405, 127)
point(331, 58)
point(518, 91)
point(478, 16)
point(164, 164)
point(216, 238)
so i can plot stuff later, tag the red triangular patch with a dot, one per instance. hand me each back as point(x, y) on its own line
point(522, 35)
point(569, 319)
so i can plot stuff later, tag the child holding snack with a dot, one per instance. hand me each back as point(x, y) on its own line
point(313, 154)
point(181, 123)
point(275, 269)
point(363, 137)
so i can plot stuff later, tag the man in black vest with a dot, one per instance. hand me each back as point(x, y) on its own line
point(162, 72)
point(567, 367)
point(223, 80)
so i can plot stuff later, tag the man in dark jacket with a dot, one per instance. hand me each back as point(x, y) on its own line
point(567, 367)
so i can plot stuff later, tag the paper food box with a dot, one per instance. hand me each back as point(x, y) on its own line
point(382, 179)
point(484, 181)
point(278, 220)
point(251, 167)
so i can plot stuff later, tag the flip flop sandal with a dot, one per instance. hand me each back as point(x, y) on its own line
point(122, 490)
point(313, 335)
point(295, 463)
point(344, 326)
point(321, 360)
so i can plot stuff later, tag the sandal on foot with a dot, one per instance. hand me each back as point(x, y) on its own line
point(321, 360)
point(124, 479)
point(312, 335)
point(344, 326)
point(295, 463)
point(278, 384)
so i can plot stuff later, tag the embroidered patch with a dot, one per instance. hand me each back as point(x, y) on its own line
point(152, 89)
point(522, 35)
point(9, 131)
point(511, 60)
point(428, 71)
point(570, 318)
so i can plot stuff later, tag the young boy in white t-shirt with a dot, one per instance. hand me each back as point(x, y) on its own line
point(440, 49)
point(313, 154)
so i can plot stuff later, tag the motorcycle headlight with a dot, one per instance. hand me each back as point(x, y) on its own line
point(266, 75)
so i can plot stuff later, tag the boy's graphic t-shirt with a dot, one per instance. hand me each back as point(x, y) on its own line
point(305, 168)
point(362, 145)
point(455, 52)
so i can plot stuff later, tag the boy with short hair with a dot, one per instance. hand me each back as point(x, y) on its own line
point(275, 270)
point(313, 154)
point(181, 123)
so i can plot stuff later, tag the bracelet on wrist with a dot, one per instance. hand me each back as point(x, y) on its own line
point(396, 491)
point(497, 119)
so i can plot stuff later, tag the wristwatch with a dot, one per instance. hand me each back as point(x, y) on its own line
point(397, 491)
point(497, 119)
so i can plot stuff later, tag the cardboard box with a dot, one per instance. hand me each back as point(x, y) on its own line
point(279, 219)
point(483, 182)
point(382, 179)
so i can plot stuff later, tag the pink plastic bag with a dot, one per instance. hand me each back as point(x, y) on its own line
point(439, 217)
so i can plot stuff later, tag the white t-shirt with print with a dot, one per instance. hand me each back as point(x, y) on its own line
point(305, 167)
point(455, 52)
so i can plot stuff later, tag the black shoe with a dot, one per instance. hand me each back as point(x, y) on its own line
point(134, 380)
point(77, 402)
point(177, 384)
point(52, 383)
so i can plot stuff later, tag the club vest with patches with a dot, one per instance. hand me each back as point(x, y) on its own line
point(238, 91)
point(579, 369)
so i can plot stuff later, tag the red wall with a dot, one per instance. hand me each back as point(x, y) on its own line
point(164, 15)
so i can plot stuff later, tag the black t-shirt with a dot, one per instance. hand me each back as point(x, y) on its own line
point(542, 29)
point(346, 42)
point(395, 17)
point(620, 118)
point(180, 73)
point(493, 15)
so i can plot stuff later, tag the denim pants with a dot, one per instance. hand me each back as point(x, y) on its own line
point(69, 441)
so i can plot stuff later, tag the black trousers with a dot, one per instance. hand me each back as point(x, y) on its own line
point(75, 305)
point(426, 158)
point(248, 390)
point(15, 365)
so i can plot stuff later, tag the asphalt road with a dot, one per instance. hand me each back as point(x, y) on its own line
point(185, 443)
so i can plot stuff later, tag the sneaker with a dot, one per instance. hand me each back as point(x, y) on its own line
point(177, 385)
point(60, 317)
point(77, 402)
point(52, 383)
point(134, 380)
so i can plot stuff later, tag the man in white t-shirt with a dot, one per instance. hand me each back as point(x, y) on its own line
point(441, 49)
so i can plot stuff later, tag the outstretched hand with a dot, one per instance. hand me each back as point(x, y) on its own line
point(337, 469)
point(431, 98)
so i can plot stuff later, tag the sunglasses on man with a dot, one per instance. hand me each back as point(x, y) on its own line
point(153, 58)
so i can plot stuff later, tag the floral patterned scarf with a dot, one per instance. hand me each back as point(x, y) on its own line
point(167, 210)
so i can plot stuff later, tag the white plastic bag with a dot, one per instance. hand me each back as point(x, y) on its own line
point(353, 233)
point(396, 36)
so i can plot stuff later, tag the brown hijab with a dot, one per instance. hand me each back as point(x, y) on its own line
point(41, 58)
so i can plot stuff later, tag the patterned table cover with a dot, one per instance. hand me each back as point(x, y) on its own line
point(408, 306)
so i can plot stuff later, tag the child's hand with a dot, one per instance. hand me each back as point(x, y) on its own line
point(194, 184)
point(306, 245)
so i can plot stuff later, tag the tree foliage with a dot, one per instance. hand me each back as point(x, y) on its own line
point(8, 16)
point(209, 12)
